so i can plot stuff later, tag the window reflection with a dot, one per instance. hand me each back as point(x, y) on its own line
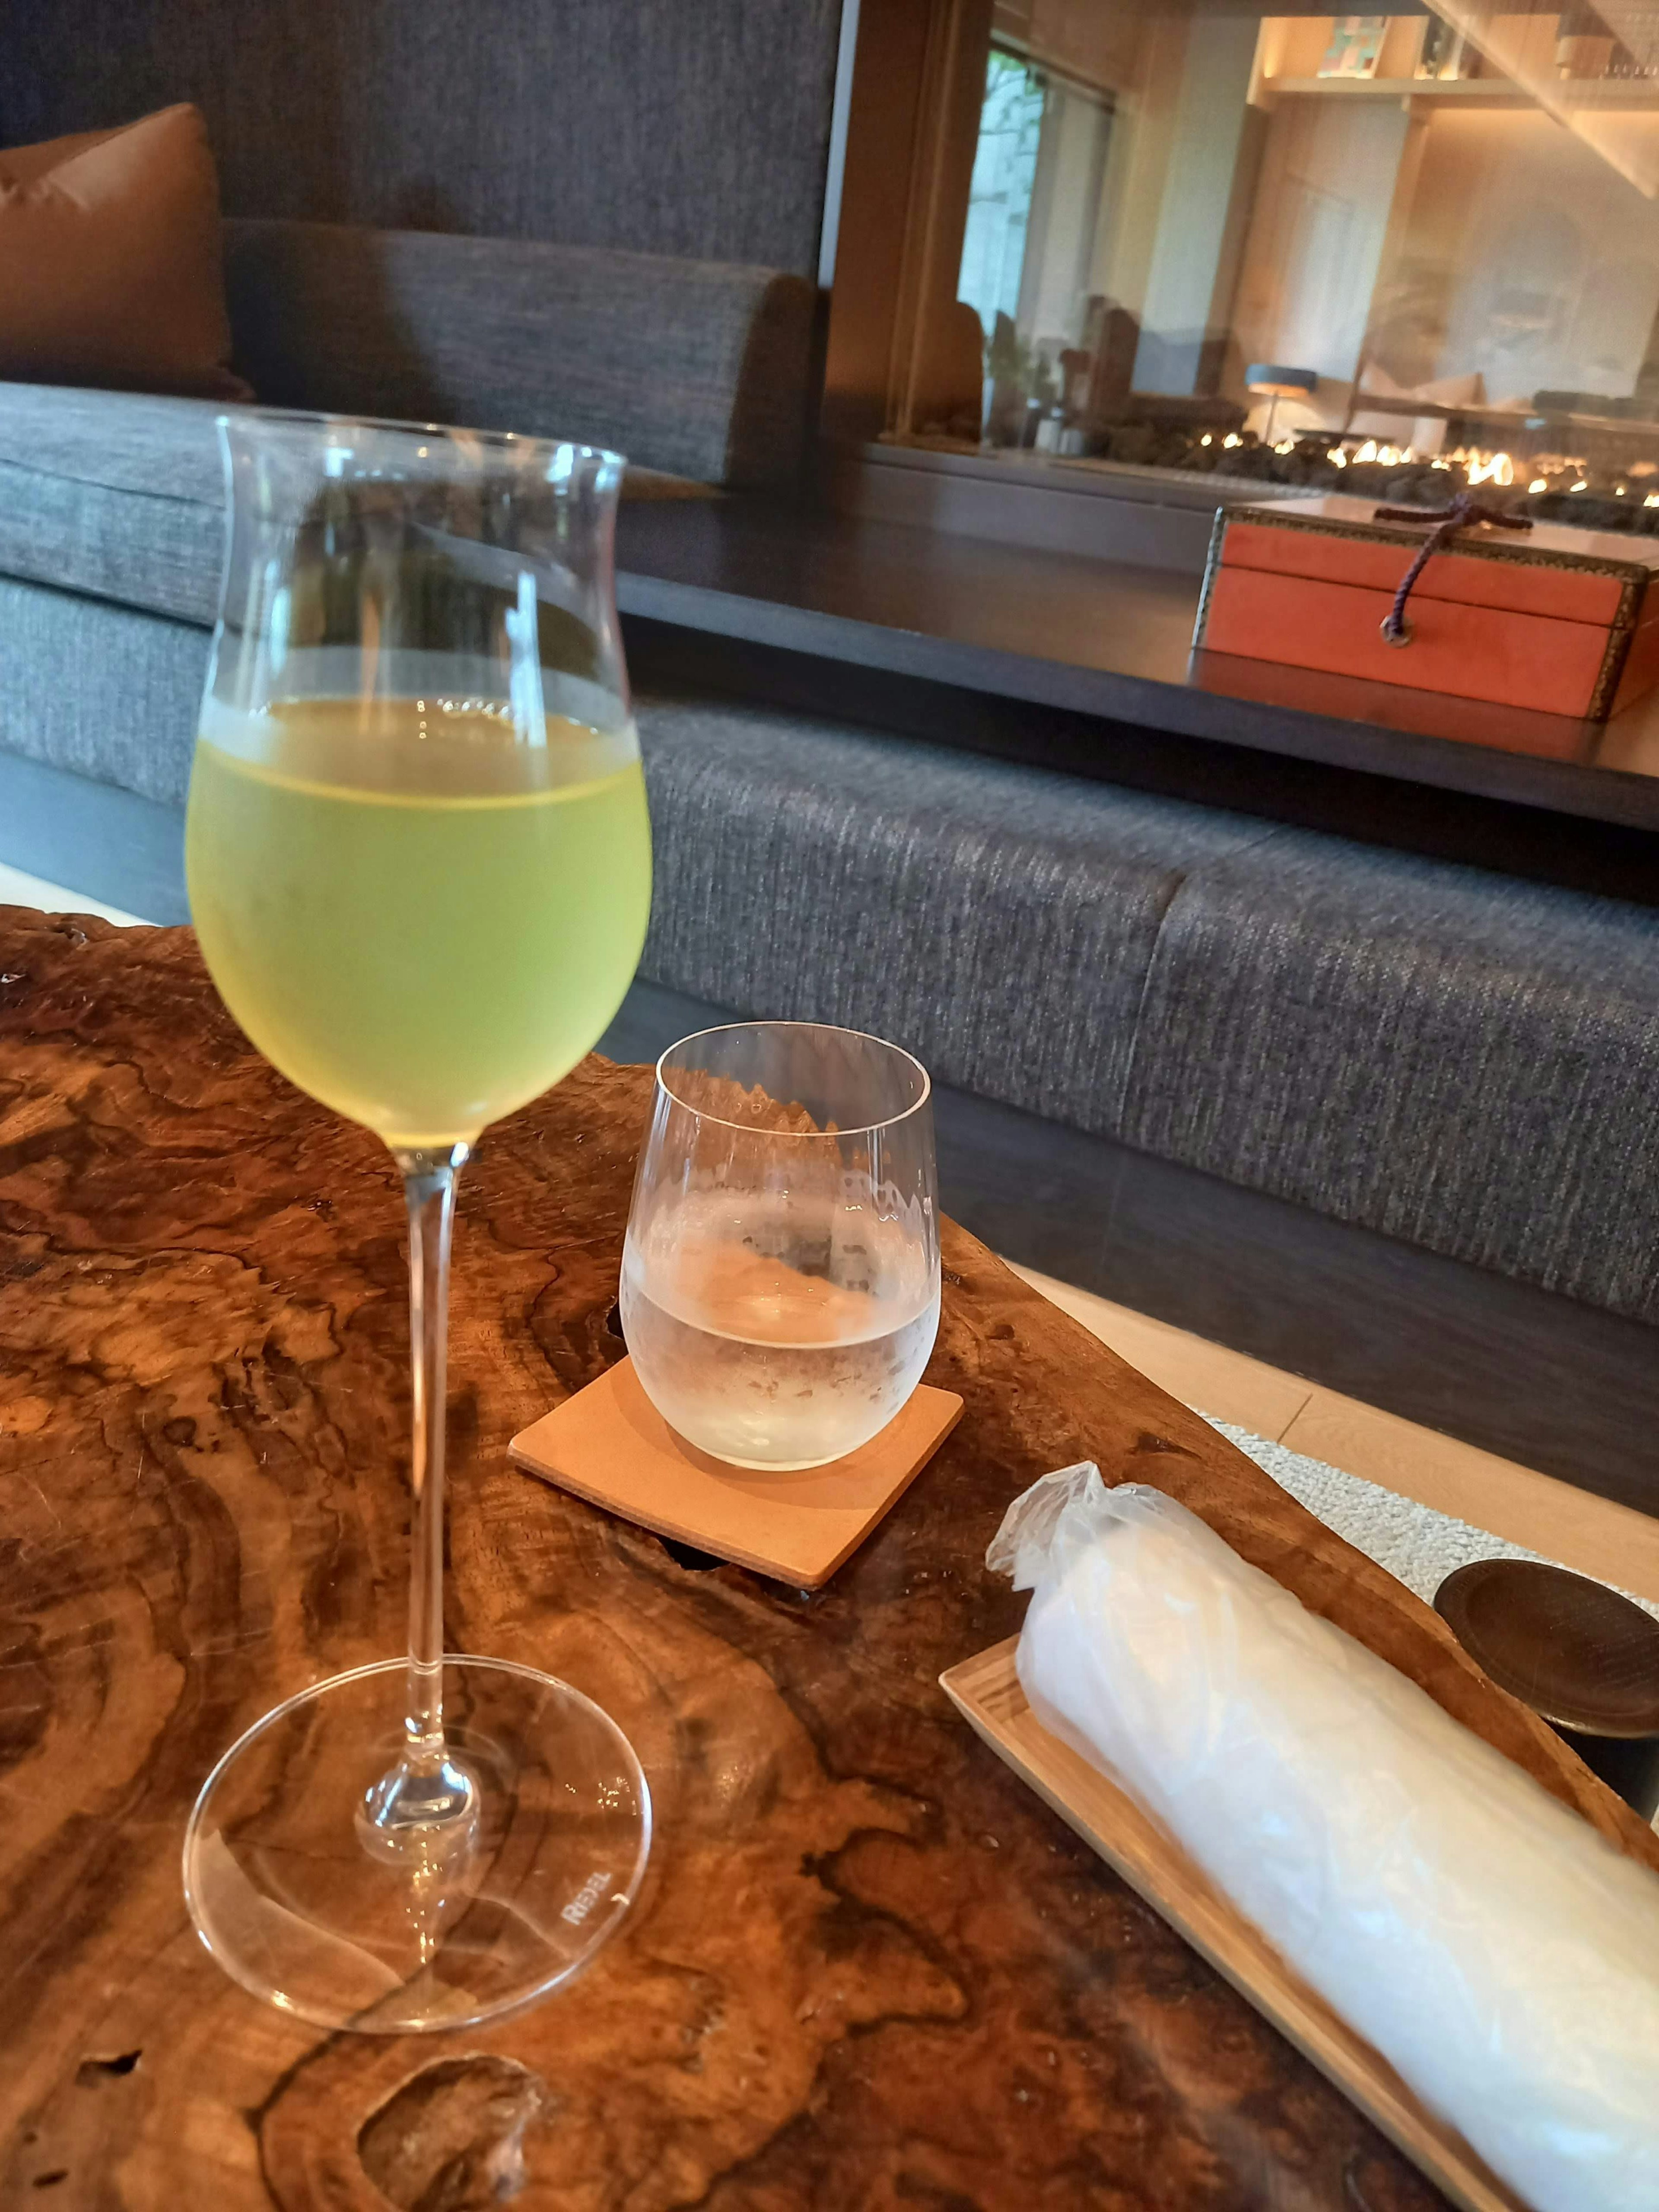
point(1377, 252)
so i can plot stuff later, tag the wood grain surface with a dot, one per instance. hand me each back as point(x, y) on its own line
point(869, 1968)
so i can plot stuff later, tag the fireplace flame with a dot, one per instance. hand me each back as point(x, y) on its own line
point(1493, 469)
point(1479, 466)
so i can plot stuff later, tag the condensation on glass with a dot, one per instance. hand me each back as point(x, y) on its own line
point(1383, 253)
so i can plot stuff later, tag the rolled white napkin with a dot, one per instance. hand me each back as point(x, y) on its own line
point(1500, 1955)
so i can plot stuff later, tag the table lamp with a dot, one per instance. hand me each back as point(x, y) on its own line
point(1271, 380)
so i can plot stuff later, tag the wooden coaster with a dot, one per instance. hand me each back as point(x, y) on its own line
point(609, 1445)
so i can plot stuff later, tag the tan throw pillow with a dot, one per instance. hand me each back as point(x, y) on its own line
point(111, 261)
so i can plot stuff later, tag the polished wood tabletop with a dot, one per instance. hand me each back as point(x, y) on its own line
point(868, 1969)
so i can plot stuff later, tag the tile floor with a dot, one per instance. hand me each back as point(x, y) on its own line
point(1590, 1534)
point(19, 889)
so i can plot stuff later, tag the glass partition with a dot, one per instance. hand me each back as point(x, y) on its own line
point(1383, 253)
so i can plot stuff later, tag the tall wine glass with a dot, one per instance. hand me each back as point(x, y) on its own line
point(419, 868)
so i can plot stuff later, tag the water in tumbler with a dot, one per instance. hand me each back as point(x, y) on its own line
point(777, 1334)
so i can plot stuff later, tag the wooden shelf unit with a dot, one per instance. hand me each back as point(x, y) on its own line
point(1637, 95)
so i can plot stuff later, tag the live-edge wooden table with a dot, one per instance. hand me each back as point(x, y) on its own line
point(868, 1970)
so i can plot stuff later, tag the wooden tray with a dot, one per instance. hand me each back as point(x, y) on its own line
point(609, 1445)
point(986, 1690)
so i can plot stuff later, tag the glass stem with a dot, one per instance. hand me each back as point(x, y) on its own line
point(424, 1809)
point(430, 1193)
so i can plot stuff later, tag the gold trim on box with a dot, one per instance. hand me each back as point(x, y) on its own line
point(1212, 564)
point(1635, 576)
point(1406, 533)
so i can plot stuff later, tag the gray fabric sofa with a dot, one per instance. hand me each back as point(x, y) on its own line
point(111, 503)
point(1460, 1060)
point(1455, 1059)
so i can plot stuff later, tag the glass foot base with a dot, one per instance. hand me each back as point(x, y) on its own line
point(292, 1898)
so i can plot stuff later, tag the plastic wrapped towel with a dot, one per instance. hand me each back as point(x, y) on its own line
point(1500, 1955)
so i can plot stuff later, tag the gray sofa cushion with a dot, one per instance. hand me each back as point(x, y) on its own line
point(694, 368)
point(121, 495)
point(100, 689)
point(1454, 1058)
point(113, 494)
point(996, 920)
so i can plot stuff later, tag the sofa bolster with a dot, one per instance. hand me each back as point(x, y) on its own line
point(694, 368)
point(1462, 1060)
point(996, 920)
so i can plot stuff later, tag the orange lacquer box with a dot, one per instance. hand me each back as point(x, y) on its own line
point(1561, 620)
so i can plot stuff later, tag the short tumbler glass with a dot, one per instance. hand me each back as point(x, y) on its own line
point(780, 1278)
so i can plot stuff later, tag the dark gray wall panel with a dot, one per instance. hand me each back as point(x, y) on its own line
point(691, 127)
